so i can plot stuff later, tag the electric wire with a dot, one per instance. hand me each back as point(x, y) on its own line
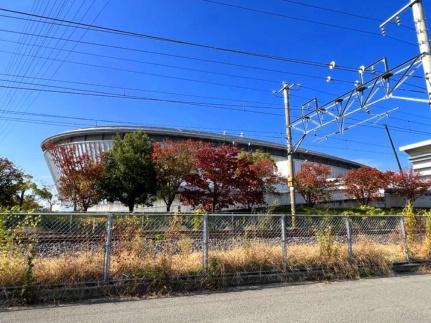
point(193, 58)
point(68, 52)
point(222, 84)
point(351, 14)
point(130, 97)
point(302, 19)
point(70, 23)
point(267, 105)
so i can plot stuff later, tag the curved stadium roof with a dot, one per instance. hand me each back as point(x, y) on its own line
point(159, 134)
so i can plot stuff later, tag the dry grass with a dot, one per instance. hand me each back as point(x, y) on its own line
point(250, 257)
point(12, 270)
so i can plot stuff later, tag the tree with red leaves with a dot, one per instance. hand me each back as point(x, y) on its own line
point(264, 167)
point(409, 184)
point(172, 162)
point(221, 179)
point(313, 184)
point(365, 183)
point(79, 173)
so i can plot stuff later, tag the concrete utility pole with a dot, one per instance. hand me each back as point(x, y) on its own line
point(423, 40)
point(422, 36)
point(290, 166)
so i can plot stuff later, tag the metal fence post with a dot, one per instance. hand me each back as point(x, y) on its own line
point(283, 242)
point(404, 237)
point(205, 242)
point(108, 245)
point(349, 237)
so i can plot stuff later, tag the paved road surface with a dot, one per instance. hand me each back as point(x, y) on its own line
point(399, 299)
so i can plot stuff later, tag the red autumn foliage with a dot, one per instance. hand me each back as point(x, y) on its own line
point(313, 184)
point(408, 184)
point(221, 179)
point(172, 162)
point(78, 173)
point(365, 183)
point(264, 167)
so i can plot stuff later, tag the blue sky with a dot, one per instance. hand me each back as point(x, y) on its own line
point(243, 88)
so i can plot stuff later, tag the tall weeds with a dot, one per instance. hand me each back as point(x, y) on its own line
point(410, 222)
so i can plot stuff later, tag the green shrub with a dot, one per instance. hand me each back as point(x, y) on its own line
point(371, 210)
point(410, 222)
point(326, 241)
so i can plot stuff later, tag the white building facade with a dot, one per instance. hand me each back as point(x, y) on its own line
point(420, 156)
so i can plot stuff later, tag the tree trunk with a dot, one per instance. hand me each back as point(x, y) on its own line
point(169, 202)
point(21, 198)
point(131, 207)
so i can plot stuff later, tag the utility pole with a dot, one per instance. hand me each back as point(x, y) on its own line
point(422, 36)
point(290, 166)
point(393, 148)
point(423, 40)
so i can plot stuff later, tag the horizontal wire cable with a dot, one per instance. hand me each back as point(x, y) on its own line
point(70, 23)
point(302, 19)
point(351, 14)
point(141, 98)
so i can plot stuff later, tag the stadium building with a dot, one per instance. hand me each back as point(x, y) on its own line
point(420, 157)
point(100, 139)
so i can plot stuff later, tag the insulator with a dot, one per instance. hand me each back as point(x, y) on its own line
point(398, 20)
point(328, 79)
point(332, 65)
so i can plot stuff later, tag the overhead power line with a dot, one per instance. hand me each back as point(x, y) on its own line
point(93, 27)
point(79, 90)
point(75, 16)
point(143, 72)
point(347, 13)
point(155, 74)
point(177, 56)
point(82, 92)
point(245, 103)
point(302, 19)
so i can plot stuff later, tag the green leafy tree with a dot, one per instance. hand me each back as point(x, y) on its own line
point(11, 179)
point(25, 194)
point(172, 161)
point(129, 174)
point(45, 194)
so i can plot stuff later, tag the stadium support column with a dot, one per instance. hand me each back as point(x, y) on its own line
point(423, 40)
point(290, 166)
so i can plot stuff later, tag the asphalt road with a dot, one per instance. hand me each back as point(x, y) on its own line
point(398, 299)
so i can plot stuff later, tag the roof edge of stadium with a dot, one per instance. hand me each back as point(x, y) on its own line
point(189, 134)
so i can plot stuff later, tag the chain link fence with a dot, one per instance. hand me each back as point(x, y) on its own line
point(65, 249)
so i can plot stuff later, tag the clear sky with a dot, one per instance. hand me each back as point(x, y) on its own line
point(286, 29)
